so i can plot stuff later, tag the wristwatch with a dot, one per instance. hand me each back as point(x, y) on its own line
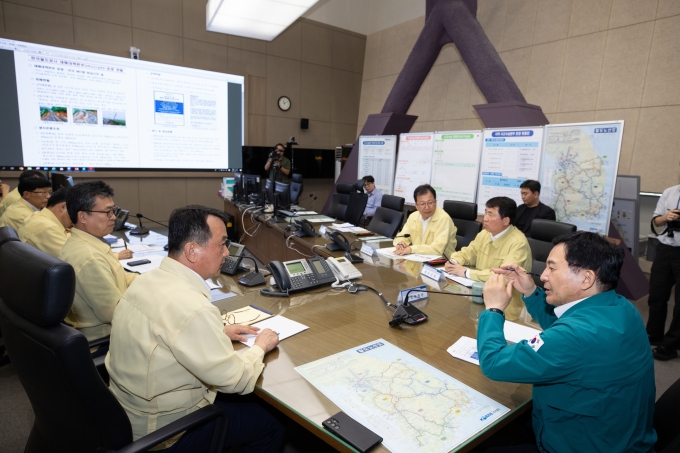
point(496, 310)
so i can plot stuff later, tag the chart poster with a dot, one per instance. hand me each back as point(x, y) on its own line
point(578, 173)
point(455, 165)
point(414, 164)
point(509, 157)
point(377, 154)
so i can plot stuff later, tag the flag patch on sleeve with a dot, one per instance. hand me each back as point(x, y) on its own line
point(536, 343)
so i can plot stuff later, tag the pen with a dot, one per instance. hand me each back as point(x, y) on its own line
point(526, 272)
point(125, 244)
point(258, 308)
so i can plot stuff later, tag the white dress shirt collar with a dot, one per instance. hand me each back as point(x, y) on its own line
point(493, 238)
point(562, 309)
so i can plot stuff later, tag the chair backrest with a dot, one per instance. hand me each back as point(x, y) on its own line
point(392, 202)
point(295, 192)
point(339, 201)
point(356, 207)
point(385, 222)
point(7, 234)
point(464, 216)
point(666, 415)
point(542, 233)
point(358, 186)
point(296, 177)
point(74, 409)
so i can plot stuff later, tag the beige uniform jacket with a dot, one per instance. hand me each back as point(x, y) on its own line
point(100, 283)
point(11, 197)
point(484, 254)
point(440, 234)
point(16, 214)
point(45, 232)
point(169, 354)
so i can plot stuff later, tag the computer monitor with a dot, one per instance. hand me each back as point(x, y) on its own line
point(251, 185)
point(283, 198)
point(238, 186)
point(60, 180)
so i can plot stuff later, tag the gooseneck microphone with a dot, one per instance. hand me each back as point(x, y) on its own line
point(405, 236)
point(254, 278)
point(140, 216)
point(140, 229)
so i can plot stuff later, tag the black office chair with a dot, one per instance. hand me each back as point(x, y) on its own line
point(542, 233)
point(339, 201)
point(7, 234)
point(74, 409)
point(388, 217)
point(464, 216)
point(295, 188)
point(356, 207)
point(666, 416)
point(358, 186)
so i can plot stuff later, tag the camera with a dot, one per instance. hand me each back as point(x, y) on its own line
point(134, 53)
point(671, 227)
point(274, 154)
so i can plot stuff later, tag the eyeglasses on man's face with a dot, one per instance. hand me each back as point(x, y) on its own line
point(44, 193)
point(109, 212)
point(427, 204)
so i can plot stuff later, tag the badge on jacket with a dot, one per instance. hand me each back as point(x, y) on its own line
point(536, 343)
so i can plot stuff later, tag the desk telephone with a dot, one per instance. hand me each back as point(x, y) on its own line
point(303, 274)
point(233, 261)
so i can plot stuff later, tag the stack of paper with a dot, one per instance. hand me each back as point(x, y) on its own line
point(389, 252)
point(155, 261)
point(466, 348)
point(283, 327)
point(461, 280)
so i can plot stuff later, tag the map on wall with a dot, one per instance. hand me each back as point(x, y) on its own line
point(413, 406)
point(578, 172)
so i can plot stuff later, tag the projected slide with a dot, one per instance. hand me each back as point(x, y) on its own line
point(455, 165)
point(90, 110)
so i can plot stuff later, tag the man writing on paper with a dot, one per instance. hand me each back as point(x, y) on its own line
point(591, 367)
point(171, 353)
point(9, 197)
point(499, 242)
point(100, 278)
point(34, 195)
point(48, 229)
point(431, 228)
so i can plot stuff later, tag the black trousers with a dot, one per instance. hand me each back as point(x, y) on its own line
point(665, 274)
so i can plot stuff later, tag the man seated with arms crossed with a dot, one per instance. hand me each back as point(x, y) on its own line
point(170, 351)
point(100, 279)
point(499, 242)
point(34, 195)
point(13, 196)
point(48, 229)
point(374, 196)
point(431, 229)
point(532, 207)
point(591, 367)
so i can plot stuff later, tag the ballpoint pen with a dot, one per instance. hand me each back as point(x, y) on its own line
point(526, 272)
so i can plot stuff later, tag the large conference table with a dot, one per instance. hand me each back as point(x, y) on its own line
point(338, 321)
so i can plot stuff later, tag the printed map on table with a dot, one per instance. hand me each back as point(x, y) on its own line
point(413, 406)
point(580, 163)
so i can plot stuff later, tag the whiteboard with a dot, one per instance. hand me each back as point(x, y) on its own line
point(414, 164)
point(510, 156)
point(377, 154)
point(455, 165)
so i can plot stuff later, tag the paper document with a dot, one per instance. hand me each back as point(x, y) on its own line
point(213, 285)
point(389, 252)
point(376, 238)
point(314, 218)
point(461, 280)
point(284, 327)
point(138, 248)
point(216, 295)
point(515, 333)
point(142, 268)
point(465, 349)
point(246, 316)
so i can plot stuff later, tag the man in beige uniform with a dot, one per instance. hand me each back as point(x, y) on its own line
point(34, 195)
point(170, 351)
point(100, 279)
point(48, 229)
point(13, 195)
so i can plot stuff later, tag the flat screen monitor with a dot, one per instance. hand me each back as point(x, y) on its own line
point(251, 185)
point(283, 192)
point(60, 180)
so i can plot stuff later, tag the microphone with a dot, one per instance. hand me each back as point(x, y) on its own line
point(405, 236)
point(407, 313)
point(140, 229)
point(140, 216)
point(254, 278)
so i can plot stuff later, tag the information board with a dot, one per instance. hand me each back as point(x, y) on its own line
point(509, 157)
point(455, 165)
point(377, 154)
point(414, 164)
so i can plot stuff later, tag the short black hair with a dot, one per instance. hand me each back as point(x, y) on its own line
point(58, 197)
point(31, 174)
point(423, 190)
point(368, 178)
point(31, 184)
point(190, 224)
point(506, 207)
point(83, 196)
point(532, 185)
point(591, 251)
point(281, 145)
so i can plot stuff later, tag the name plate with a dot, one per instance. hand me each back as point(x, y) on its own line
point(430, 272)
point(417, 293)
point(368, 250)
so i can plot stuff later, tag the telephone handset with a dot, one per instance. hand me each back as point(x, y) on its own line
point(233, 261)
point(343, 269)
point(340, 242)
point(306, 228)
point(121, 218)
point(302, 274)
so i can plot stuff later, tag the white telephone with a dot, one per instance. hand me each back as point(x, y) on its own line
point(343, 269)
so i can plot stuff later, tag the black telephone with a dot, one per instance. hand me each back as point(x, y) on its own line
point(121, 218)
point(305, 228)
point(233, 261)
point(302, 274)
point(340, 242)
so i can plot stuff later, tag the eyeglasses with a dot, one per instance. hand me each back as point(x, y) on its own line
point(109, 212)
point(367, 184)
point(48, 193)
point(228, 243)
point(429, 204)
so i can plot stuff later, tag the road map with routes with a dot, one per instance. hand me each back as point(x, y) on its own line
point(580, 163)
point(413, 406)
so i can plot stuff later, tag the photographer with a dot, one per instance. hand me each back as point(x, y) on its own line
point(665, 273)
point(278, 165)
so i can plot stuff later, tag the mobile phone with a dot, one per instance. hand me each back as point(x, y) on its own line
point(138, 262)
point(352, 432)
point(437, 261)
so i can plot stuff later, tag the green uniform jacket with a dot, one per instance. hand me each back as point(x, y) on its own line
point(593, 374)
